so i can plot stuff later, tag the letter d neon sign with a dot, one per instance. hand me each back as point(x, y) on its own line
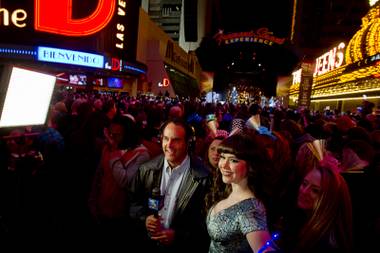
point(56, 17)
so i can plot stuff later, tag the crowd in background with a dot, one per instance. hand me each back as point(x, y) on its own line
point(312, 178)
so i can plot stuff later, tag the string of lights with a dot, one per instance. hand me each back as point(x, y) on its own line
point(270, 243)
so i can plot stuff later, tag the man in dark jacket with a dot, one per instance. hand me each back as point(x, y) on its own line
point(183, 182)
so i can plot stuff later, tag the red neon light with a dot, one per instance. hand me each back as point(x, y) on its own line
point(165, 82)
point(56, 17)
point(115, 64)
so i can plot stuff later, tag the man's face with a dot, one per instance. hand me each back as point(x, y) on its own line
point(174, 144)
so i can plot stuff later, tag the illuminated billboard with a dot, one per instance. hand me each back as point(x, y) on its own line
point(106, 26)
point(65, 56)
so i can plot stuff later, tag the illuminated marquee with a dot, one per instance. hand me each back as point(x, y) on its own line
point(297, 77)
point(120, 28)
point(64, 56)
point(60, 20)
point(330, 60)
point(262, 35)
point(109, 26)
point(165, 83)
point(116, 64)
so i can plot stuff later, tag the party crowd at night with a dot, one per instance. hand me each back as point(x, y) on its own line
point(190, 126)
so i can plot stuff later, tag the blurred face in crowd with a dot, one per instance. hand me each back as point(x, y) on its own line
point(113, 111)
point(174, 144)
point(309, 190)
point(213, 156)
point(234, 170)
point(116, 133)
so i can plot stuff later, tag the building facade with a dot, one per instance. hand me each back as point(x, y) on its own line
point(171, 70)
point(347, 74)
point(179, 18)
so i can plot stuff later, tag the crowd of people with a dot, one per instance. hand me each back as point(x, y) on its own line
point(231, 177)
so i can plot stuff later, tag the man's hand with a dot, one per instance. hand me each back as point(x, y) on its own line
point(153, 225)
point(165, 236)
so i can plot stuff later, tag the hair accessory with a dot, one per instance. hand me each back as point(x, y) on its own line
point(210, 117)
point(330, 162)
point(265, 131)
point(211, 123)
point(254, 122)
point(318, 148)
point(237, 126)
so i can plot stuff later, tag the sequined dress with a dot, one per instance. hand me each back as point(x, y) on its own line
point(228, 227)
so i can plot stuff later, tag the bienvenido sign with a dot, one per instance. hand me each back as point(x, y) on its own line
point(64, 56)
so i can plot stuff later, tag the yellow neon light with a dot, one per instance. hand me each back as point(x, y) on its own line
point(293, 20)
point(344, 93)
point(343, 99)
point(365, 42)
point(372, 2)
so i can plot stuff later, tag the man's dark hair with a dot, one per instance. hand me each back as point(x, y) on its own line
point(179, 122)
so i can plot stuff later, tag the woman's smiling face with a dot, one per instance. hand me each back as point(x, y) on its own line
point(233, 170)
point(309, 190)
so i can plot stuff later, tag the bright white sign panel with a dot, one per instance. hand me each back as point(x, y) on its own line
point(27, 99)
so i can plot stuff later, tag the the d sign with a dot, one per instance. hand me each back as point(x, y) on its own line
point(56, 17)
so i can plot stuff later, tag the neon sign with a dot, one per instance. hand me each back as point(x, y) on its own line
point(165, 83)
point(60, 20)
point(120, 28)
point(56, 17)
point(331, 60)
point(116, 64)
point(65, 56)
point(297, 76)
point(261, 35)
point(17, 17)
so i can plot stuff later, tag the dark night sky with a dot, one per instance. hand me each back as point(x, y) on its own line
point(245, 15)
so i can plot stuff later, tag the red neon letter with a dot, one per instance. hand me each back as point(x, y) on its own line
point(56, 17)
point(165, 82)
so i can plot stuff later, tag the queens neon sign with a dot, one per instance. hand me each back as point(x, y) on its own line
point(331, 60)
